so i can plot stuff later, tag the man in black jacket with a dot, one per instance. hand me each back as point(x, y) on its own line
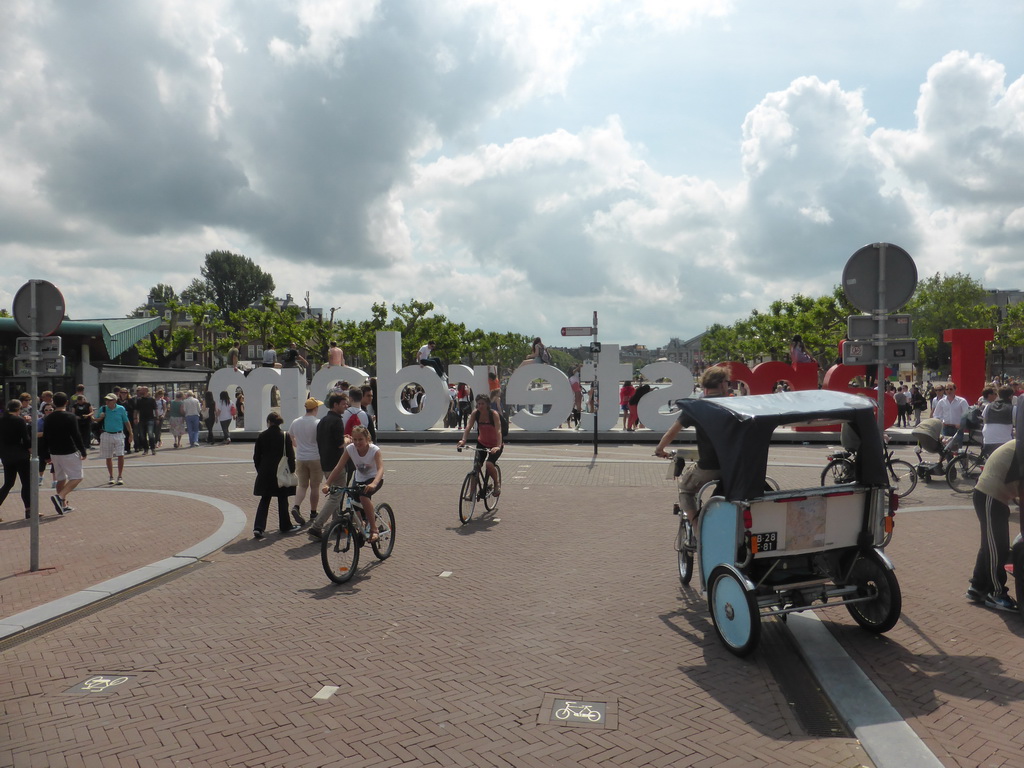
point(67, 450)
point(330, 442)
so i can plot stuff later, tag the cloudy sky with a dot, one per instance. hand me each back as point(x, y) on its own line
point(521, 164)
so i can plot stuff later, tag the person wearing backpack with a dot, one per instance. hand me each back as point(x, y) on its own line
point(354, 416)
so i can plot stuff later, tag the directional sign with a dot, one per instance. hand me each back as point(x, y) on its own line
point(867, 353)
point(45, 346)
point(578, 331)
point(864, 327)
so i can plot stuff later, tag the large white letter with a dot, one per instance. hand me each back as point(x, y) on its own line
point(290, 382)
point(559, 397)
point(391, 378)
point(681, 386)
point(327, 379)
point(609, 373)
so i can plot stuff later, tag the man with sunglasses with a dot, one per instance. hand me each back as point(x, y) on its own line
point(951, 409)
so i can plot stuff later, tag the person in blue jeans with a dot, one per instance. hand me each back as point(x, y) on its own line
point(192, 409)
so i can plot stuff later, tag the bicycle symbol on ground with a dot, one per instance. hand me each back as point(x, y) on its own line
point(577, 710)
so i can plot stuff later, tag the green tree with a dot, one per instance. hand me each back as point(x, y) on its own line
point(946, 301)
point(232, 281)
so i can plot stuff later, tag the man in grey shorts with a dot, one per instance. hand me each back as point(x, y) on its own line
point(715, 383)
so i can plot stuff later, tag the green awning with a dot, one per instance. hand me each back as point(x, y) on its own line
point(117, 334)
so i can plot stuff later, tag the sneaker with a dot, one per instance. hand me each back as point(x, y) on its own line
point(297, 516)
point(110, 481)
point(1001, 602)
point(975, 595)
point(68, 510)
point(257, 534)
point(119, 481)
point(58, 503)
point(315, 533)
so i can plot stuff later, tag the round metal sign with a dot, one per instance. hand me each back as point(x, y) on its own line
point(863, 278)
point(42, 313)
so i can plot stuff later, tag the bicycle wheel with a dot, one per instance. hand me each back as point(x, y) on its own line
point(837, 472)
point(490, 500)
point(685, 547)
point(963, 472)
point(902, 476)
point(385, 532)
point(339, 552)
point(873, 578)
point(467, 499)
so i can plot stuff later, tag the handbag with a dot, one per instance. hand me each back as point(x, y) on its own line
point(285, 477)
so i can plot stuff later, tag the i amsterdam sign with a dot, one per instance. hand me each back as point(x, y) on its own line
point(609, 373)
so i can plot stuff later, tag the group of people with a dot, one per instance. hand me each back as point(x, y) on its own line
point(318, 450)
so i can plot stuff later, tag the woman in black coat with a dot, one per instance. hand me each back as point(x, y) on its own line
point(270, 446)
point(15, 443)
point(209, 415)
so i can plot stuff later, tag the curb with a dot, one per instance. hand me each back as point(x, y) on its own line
point(234, 522)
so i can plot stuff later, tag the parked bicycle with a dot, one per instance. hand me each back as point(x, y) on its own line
point(348, 532)
point(477, 486)
point(959, 457)
point(841, 469)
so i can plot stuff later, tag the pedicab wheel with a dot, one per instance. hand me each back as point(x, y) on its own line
point(733, 610)
point(837, 472)
point(467, 499)
point(684, 549)
point(902, 477)
point(339, 553)
point(385, 532)
point(874, 578)
point(963, 472)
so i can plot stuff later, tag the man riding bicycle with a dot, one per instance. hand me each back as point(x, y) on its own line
point(715, 383)
point(488, 439)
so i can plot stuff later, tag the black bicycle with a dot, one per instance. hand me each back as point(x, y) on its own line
point(477, 486)
point(840, 469)
point(348, 533)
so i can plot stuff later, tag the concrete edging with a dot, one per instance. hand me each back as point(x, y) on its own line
point(234, 522)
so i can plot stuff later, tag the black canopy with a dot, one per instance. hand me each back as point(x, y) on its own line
point(740, 428)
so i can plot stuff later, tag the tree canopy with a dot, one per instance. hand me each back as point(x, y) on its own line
point(231, 281)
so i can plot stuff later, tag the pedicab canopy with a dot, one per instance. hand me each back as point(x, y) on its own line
point(740, 429)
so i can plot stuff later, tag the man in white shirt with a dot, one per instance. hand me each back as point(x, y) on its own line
point(426, 357)
point(307, 460)
point(951, 409)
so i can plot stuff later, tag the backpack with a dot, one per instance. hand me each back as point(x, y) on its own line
point(352, 422)
point(545, 356)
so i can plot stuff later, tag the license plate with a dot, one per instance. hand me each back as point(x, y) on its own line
point(767, 542)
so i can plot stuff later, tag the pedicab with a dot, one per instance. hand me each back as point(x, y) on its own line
point(766, 552)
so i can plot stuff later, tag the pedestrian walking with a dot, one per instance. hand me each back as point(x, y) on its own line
point(224, 414)
point(15, 444)
point(176, 418)
point(116, 431)
point(66, 451)
point(270, 446)
point(307, 461)
point(209, 415)
point(192, 409)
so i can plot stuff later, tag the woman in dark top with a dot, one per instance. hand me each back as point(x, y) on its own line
point(15, 442)
point(270, 446)
point(209, 415)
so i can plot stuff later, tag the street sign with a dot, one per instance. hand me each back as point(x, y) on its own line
point(578, 331)
point(38, 307)
point(46, 346)
point(866, 352)
point(54, 366)
point(864, 327)
point(595, 347)
point(864, 278)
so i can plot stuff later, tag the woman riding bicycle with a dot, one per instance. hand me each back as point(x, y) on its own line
point(488, 438)
point(369, 472)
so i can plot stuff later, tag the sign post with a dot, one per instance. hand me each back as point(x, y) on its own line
point(878, 279)
point(38, 311)
point(595, 349)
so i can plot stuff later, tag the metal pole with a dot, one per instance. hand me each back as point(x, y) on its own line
point(33, 464)
point(880, 338)
point(594, 385)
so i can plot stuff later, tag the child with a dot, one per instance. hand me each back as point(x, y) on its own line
point(369, 472)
